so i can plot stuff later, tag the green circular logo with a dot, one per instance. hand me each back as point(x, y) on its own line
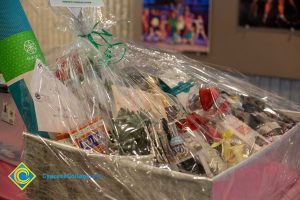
point(30, 47)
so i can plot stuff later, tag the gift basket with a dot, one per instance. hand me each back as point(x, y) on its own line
point(152, 125)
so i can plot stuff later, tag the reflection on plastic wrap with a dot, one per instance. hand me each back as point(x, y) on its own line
point(155, 125)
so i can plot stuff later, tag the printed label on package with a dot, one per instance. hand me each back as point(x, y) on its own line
point(92, 135)
point(76, 3)
point(241, 130)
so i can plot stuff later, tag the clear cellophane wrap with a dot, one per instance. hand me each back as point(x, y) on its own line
point(153, 124)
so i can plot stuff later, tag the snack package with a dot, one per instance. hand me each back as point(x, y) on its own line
point(155, 124)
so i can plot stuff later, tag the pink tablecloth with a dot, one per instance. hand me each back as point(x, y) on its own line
point(8, 190)
point(293, 193)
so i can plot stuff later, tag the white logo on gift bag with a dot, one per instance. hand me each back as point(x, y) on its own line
point(30, 47)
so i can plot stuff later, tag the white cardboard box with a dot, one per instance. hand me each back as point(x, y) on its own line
point(266, 175)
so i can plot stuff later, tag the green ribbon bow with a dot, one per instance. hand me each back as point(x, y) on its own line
point(103, 34)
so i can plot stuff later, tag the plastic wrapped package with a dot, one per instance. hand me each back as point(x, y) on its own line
point(130, 122)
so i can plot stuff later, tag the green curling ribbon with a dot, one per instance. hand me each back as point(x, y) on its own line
point(109, 47)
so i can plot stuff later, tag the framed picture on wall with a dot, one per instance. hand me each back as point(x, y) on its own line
point(270, 13)
point(181, 25)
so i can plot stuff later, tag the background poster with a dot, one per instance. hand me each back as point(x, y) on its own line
point(270, 13)
point(180, 25)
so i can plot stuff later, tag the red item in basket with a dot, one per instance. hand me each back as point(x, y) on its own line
point(196, 122)
point(207, 97)
point(211, 133)
point(224, 107)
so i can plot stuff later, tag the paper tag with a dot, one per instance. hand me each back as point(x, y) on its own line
point(57, 109)
point(76, 3)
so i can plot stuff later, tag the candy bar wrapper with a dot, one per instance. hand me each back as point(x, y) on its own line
point(64, 138)
point(138, 114)
point(91, 136)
